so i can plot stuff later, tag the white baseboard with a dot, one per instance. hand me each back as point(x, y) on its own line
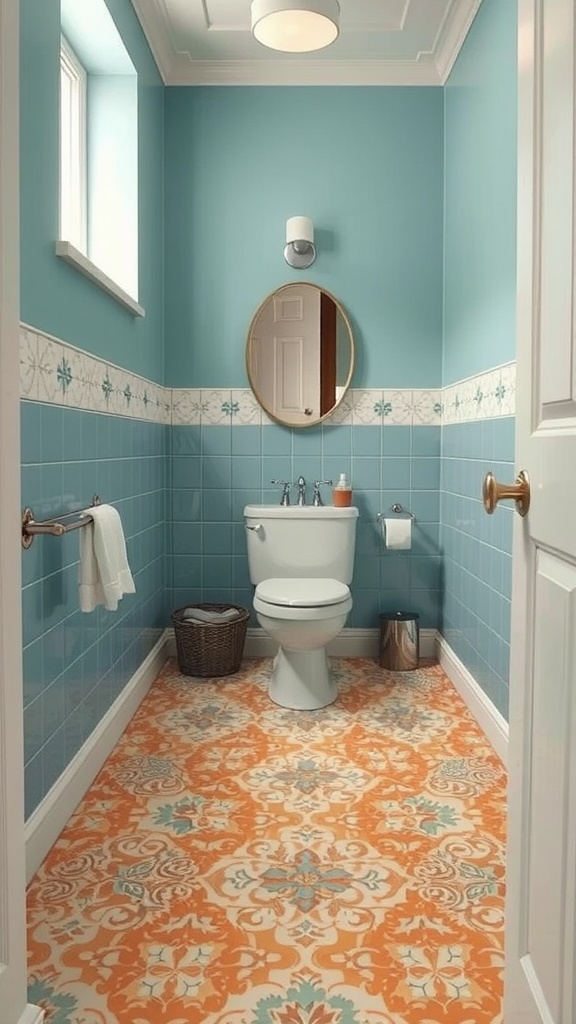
point(31, 1015)
point(47, 821)
point(350, 643)
point(493, 724)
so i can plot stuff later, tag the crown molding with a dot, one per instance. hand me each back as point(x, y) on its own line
point(452, 35)
point(430, 68)
point(185, 71)
point(155, 25)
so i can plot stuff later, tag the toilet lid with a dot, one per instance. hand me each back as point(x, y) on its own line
point(302, 593)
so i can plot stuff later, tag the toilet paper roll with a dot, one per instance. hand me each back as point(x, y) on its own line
point(397, 533)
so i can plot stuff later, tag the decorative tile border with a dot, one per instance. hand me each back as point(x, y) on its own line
point(58, 373)
point(360, 407)
point(54, 371)
point(485, 396)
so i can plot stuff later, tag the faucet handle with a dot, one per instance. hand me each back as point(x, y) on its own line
point(285, 484)
point(317, 497)
point(300, 483)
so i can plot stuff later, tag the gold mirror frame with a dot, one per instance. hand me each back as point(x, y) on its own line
point(336, 326)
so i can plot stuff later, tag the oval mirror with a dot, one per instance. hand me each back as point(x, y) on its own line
point(299, 354)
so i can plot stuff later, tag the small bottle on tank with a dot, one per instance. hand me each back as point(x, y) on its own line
point(342, 493)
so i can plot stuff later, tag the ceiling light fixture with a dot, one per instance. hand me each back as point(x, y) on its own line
point(295, 26)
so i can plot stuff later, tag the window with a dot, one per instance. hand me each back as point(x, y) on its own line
point(98, 152)
point(72, 148)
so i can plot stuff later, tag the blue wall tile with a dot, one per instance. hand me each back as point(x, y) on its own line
point(64, 648)
point(397, 441)
point(210, 555)
point(477, 549)
point(337, 442)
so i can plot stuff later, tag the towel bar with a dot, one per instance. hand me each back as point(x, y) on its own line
point(53, 526)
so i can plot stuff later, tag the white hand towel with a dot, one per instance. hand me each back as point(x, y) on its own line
point(104, 574)
point(201, 615)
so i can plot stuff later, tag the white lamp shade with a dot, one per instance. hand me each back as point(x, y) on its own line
point(299, 229)
point(295, 26)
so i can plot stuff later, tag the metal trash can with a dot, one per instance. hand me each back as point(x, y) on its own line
point(399, 641)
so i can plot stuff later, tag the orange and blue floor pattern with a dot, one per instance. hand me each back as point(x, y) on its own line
point(235, 862)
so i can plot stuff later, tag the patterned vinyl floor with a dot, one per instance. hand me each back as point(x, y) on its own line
point(238, 863)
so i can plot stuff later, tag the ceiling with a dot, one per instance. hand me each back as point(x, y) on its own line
point(381, 42)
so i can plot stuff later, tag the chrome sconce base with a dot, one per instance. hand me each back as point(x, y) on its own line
point(299, 255)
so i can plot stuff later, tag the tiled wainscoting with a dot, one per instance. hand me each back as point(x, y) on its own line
point(217, 470)
point(477, 436)
point(477, 552)
point(76, 664)
point(181, 464)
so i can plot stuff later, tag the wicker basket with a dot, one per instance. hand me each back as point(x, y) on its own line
point(210, 648)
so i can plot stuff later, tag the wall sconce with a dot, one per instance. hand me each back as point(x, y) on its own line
point(299, 251)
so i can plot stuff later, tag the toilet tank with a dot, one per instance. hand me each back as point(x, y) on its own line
point(300, 540)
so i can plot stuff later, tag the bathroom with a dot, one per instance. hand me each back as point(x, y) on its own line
point(412, 193)
point(413, 203)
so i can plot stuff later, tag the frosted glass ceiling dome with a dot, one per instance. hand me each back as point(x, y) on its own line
point(295, 26)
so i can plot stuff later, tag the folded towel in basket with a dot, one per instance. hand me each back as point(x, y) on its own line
point(202, 615)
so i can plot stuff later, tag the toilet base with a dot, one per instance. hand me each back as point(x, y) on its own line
point(301, 680)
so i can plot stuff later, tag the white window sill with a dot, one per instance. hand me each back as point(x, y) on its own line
point(77, 259)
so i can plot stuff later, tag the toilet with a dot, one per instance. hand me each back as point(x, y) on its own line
point(301, 560)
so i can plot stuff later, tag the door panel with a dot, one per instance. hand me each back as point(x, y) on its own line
point(13, 1006)
point(540, 923)
point(288, 363)
point(290, 376)
point(551, 794)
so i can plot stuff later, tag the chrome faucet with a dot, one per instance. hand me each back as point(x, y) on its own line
point(317, 497)
point(301, 485)
point(285, 499)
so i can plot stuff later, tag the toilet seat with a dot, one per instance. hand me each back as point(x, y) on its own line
point(302, 599)
point(302, 592)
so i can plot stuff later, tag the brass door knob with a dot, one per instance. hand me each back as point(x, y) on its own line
point(493, 492)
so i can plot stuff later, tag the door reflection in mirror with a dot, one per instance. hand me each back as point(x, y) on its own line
point(299, 354)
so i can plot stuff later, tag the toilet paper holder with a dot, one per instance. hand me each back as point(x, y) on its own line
point(399, 510)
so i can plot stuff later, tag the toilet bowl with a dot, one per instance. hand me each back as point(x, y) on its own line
point(302, 612)
point(302, 616)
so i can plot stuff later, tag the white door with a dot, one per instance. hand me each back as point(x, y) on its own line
point(286, 342)
point(541, 908)
point(13, 1007)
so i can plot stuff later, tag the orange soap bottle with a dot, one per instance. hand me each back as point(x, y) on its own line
point(342, 493)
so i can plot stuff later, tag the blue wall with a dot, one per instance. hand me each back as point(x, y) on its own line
point(479, 333)
point(54, 296)
point(365, 163)
point(480, 197)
